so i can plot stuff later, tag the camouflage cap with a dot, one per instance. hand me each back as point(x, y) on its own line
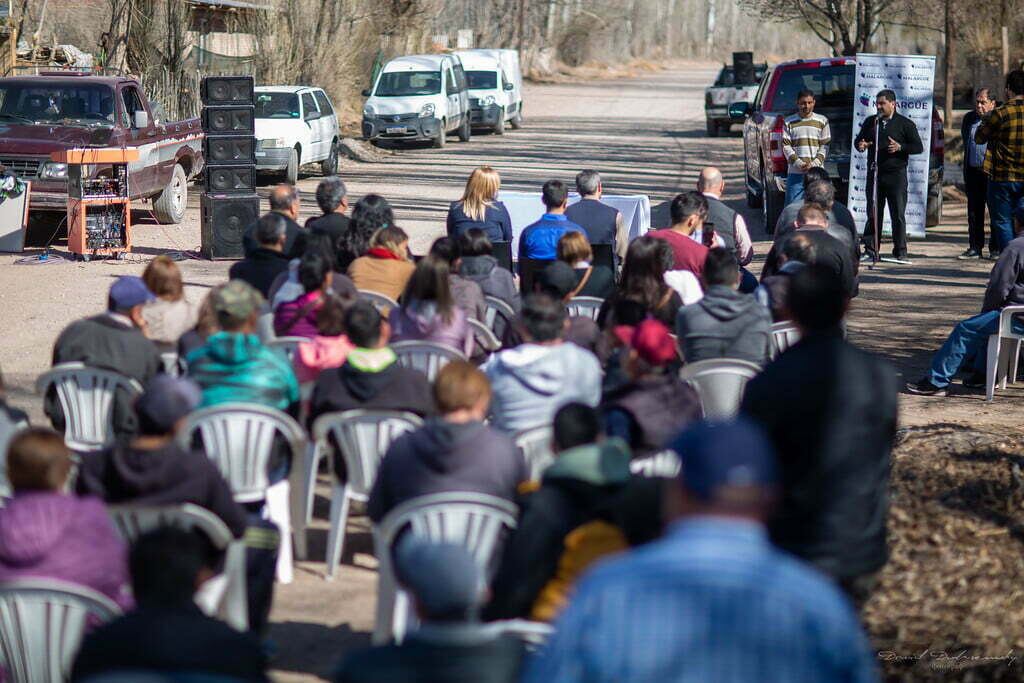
point(235, 302)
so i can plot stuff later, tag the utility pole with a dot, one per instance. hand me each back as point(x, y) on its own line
point(949, 65)
point(522, 28)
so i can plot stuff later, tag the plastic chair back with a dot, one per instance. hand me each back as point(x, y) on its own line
point(362, 438)
point(720, 383)
point(499, 315)
point(265, 327)
point(483, 336)
point(239, 437)
point(584, 307)
point(536, 448)
point(134, 520)
point(87, 398)
point(502, 252)
point(528, 270)
point(41, 627)
point(172, 363)
point(664, 464)
point(474, 520)
point(427, 357)
point(381, 302)
point(533, 634)
point(286, 345)
point(604, 255)
point(784, 335)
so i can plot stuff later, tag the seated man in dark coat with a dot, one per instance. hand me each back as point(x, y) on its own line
point(264, 264)
point(284, 200)
point(332, 198)
point(114, 341)
point(450, 645)
point(166, 632)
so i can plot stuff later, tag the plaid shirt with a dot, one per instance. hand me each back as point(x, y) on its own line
point(1003, 130)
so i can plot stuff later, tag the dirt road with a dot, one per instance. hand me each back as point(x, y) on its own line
point(645, 135)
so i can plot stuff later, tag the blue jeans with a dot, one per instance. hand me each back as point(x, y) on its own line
point(968, 339)
point(1004, 197)
point(794, 187)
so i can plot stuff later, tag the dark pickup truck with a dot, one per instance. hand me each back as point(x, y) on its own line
point(61, 110)
point(832, 82)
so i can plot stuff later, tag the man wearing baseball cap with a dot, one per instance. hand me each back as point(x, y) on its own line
point(713, 600)
point(654, 404)
point(114, 340)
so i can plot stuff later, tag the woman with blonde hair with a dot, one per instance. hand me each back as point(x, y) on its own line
point(591, 280)
point(385, 268)
point(170, 315)
point(480, 208)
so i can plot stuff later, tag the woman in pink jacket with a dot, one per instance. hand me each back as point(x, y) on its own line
point(428, 311)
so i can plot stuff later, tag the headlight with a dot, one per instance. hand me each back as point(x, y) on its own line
point(368, 111)
point(488, 101)
point(272, 143)
point(54, 171)
point(427, 110)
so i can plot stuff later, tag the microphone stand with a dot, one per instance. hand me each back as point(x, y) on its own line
point(876, 228)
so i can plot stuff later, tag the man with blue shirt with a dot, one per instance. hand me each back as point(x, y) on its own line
point(975, 180)
point(539, 241)
point(713, 600)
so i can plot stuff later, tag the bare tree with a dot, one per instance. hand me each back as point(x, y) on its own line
point(846, 26)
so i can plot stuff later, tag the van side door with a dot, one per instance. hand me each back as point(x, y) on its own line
point(451, 91)
point(311, 115)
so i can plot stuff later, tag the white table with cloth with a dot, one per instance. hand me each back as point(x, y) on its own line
point(526, 207)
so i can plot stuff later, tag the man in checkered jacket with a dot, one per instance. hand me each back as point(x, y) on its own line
point(805, 140)
point(1003, 132)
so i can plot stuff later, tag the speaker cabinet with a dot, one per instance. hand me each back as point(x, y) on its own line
point(223, 220)
point(227, 90)
point(230, 179)
point(743, 68)
point(229, 150)
point(233, 119)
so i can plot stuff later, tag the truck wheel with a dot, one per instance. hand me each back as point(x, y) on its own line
point(771, 205)
point(499, 127)
point(442, 137)
point(329, 166)
point(466, 129)
point(517, 120)
point(712, 127)
point(169, 205)
point(291, 171)
point(933, 215)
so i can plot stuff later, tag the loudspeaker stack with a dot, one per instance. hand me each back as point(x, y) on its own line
point(229, 203)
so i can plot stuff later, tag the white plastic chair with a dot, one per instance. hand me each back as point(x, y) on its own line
point(381, 302)
point(265, 326)
point(172, 363)
point(1003, 352)
point(720, 383)
point(42, 622)
point(484, 337)
point(225, 594)
point(427, 357)
point(475, 520)
point(664, 464)
point(239, 438)
point(498, 311)
point(533, 634)
point(362, 438)
point(87, 398)
point(287, 345)
point(784, 335)
point(584, 307)
point(536, 447)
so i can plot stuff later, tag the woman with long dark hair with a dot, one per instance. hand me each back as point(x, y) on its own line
point(370, 214)
point(643, 282)
point(428, 311)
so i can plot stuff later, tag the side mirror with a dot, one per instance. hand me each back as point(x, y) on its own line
point(739, 110)
point(366, 92)
point(509, 86)
point(312, 115)
point(141, 120)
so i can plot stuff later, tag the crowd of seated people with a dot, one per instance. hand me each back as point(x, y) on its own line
point(797, 481)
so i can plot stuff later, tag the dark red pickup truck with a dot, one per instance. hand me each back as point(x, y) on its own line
point(59, 110)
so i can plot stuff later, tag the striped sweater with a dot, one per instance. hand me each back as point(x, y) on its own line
point(805, 140)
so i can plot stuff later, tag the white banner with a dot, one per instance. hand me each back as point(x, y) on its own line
point(912, 78)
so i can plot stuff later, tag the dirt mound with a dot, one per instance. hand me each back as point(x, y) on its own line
point(948, 603)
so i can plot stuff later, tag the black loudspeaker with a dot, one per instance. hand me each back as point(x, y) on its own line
point(223, 220)
point(230, 179)
point(743, 67)
point(229, 150)
point(233, 119)
point(227, 90)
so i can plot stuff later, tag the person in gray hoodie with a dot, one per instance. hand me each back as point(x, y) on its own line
point(536, 378)
point(477, 264)
point(725, 323)
point(455, 452)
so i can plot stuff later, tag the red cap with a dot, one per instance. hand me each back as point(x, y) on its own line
point(651, 340)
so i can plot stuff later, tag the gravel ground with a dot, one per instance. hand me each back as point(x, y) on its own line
point(644, 134)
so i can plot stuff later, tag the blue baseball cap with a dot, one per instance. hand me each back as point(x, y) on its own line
point(129, 291)
point(716, 454)
point(165, 400)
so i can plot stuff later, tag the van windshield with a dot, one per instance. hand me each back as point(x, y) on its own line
point(277, 105)
point(482, 80)
point(404, 83)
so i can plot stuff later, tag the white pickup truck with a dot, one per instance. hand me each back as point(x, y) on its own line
point(295, 125)
point(723, 92)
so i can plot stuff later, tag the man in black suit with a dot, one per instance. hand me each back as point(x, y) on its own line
point(332, 198)
point(284, 200)
point(897, 140)
point(975, 180)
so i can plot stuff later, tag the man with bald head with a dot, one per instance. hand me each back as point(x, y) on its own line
point(284, 200)
point(728, 224)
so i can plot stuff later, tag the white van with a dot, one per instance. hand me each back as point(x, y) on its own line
point(419, 97)
point(495, 88)
point(295, 125)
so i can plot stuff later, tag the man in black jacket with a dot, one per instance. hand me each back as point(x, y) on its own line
point(975, 180)
point(830, 411)
point(332, 198)
point(284, 200)
point(897, 140)
point(262, 266)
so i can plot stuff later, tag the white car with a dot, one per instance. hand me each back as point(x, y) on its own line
point(295, 125)
point(495, 88)
point(418, 97)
